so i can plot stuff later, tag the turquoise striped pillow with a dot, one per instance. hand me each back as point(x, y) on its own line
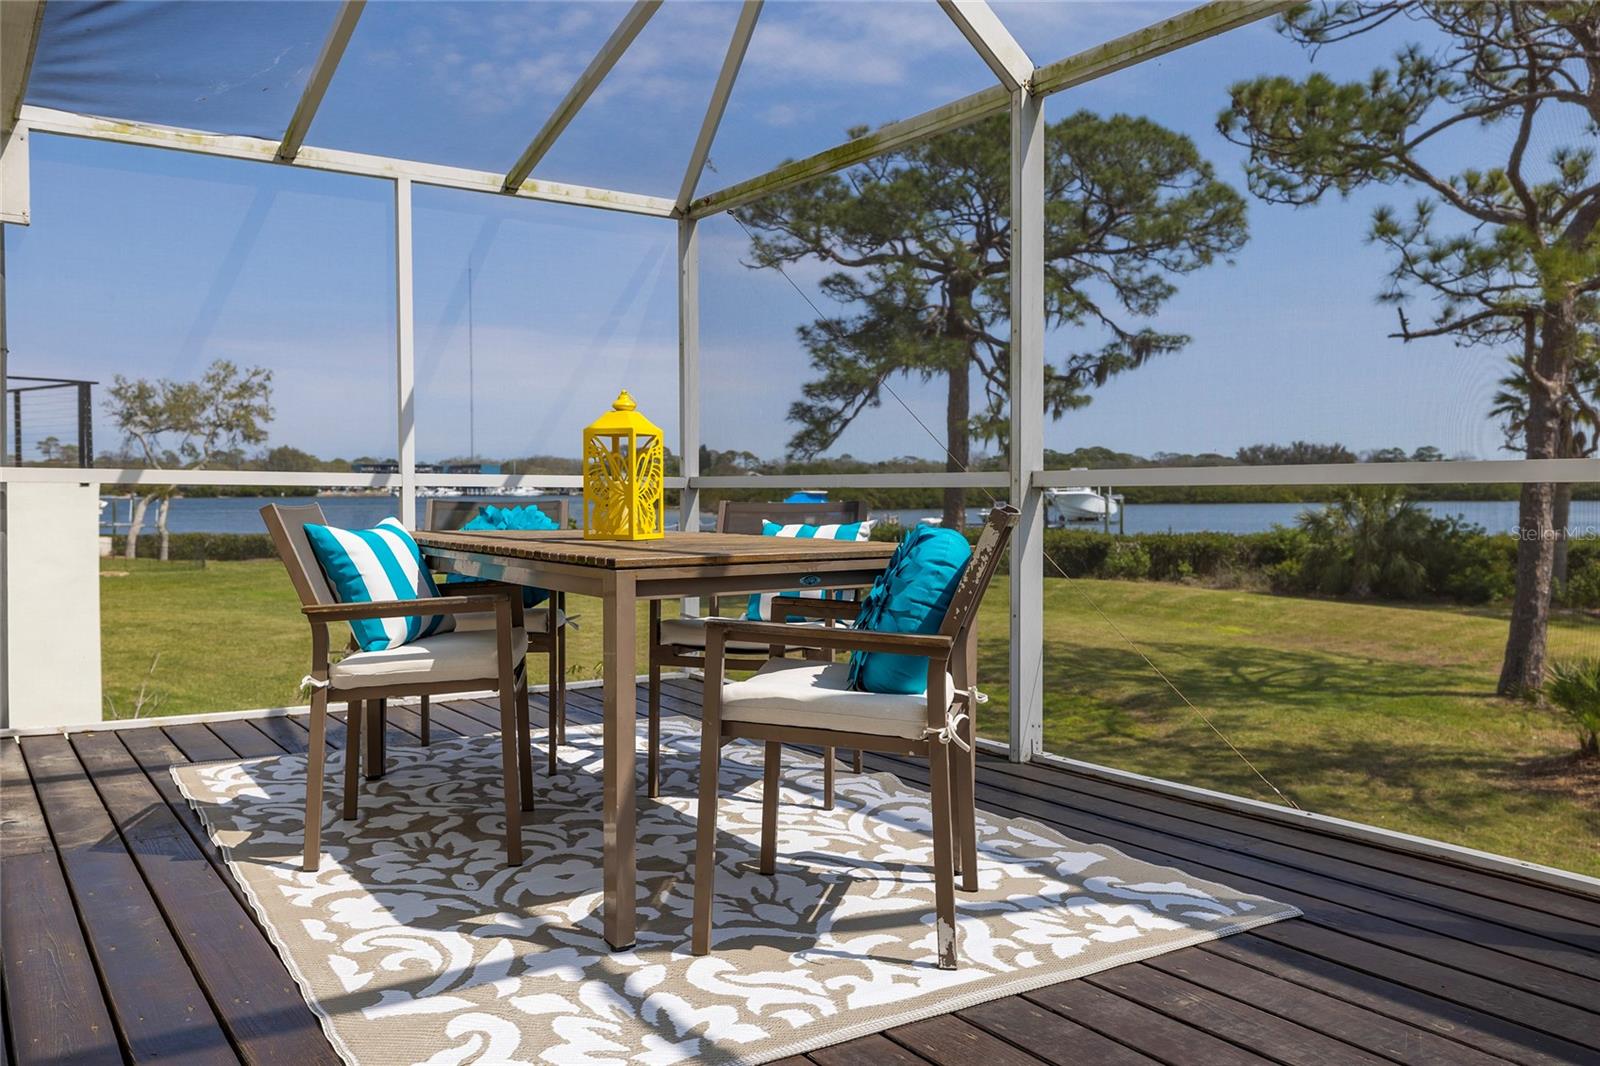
point(369, 565)
point(758, 608)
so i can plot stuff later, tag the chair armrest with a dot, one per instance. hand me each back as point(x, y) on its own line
point(347, 612)
point(928, 646)
point(840, 610)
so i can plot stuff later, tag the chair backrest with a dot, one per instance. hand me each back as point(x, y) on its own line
point(287, 524)
point(986, 556)
point(453, 514)
point(745, 516)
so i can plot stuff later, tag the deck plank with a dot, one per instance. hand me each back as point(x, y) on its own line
point(55, 1010)
point(1048, 1035)
point(1316, 1010)
point(1288, 1042)
point(872, 1050)
point(247, 984)
point(282, 732)
point(1383, 998)
point(947, 1040)
point(155, 1000)
point(460, 723)
point(156, 754)
point(1137, 1026)
point(198, 743)
point(245, 739)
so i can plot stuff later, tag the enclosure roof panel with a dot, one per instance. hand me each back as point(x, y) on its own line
point(816, 70)
point(636, 132)
point(225, 67)
point(466, 84)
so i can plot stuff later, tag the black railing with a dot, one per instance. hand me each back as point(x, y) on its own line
point(77, 411)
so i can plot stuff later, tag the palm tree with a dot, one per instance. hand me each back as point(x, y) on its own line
point(1369, 540)
point(1578, 435)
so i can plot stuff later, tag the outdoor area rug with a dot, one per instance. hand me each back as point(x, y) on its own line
point(415, 944)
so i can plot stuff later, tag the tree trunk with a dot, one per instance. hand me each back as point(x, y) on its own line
point(1522, 672)
point(1561, 514)
point(141, 503)
point(957, 420)
point(161, 526)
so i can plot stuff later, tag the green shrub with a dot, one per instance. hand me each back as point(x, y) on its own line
point(1402, 552)
point(1574, 688)
point(1582, 588)
point(1127, 560)
point(217, 547)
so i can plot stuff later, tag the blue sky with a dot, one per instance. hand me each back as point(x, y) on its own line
point(153, 263)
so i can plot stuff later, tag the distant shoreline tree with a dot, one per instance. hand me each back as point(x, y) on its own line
point(1505, 252)
point(921, 239)
point(1296, 453)
point(187, 425)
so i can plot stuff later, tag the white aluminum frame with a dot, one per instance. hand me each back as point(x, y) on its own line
point(989, 37)
point(737, 46)
point(579, 94)
point(344, 24)
point(1027, 424)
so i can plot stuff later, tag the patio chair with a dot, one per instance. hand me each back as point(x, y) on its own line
point(451, 662)
point(542, 636)
point(790, 702)
point(681, 642)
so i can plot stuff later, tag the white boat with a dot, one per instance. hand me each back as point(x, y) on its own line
point(1079, 505)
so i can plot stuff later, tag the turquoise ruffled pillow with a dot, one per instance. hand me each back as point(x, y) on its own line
point(912, 595)
point(528, 516)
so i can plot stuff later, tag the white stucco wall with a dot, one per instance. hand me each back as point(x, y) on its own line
point(52, 591)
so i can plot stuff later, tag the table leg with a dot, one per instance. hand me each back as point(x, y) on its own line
point(621, 718)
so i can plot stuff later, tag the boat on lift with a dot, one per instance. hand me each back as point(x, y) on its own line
point(1069, 505)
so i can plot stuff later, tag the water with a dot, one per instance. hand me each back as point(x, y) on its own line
point(239, 514)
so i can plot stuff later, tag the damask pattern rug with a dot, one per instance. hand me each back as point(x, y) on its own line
point(415, 944)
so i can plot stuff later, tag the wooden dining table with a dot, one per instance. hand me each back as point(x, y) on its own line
point(620, 574)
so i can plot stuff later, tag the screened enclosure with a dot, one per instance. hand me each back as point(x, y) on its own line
point(904, 252)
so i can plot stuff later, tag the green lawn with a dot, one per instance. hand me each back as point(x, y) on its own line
point(1383, 714)
point(231, 636)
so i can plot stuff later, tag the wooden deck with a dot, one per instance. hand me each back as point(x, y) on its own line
point(124, 939)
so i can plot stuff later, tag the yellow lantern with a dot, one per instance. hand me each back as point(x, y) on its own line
point(623, 496)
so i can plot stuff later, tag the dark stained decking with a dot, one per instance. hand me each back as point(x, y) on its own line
point(124, 939)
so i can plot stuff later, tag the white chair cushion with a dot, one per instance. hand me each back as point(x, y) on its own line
point(816, 695)
point(691, 633)
point(458, 656)
point(534, 620)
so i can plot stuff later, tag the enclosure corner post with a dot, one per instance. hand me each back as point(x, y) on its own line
point(405, 354)
point(1027, 423)
point(689, 370)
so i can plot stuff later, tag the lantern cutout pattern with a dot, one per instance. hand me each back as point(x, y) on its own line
point(623, 496)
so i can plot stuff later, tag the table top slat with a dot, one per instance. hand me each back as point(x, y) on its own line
point(672, 550)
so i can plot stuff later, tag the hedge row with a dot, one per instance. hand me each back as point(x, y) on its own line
point(1154, 556)
point(216, 547)
point(1466, 566)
